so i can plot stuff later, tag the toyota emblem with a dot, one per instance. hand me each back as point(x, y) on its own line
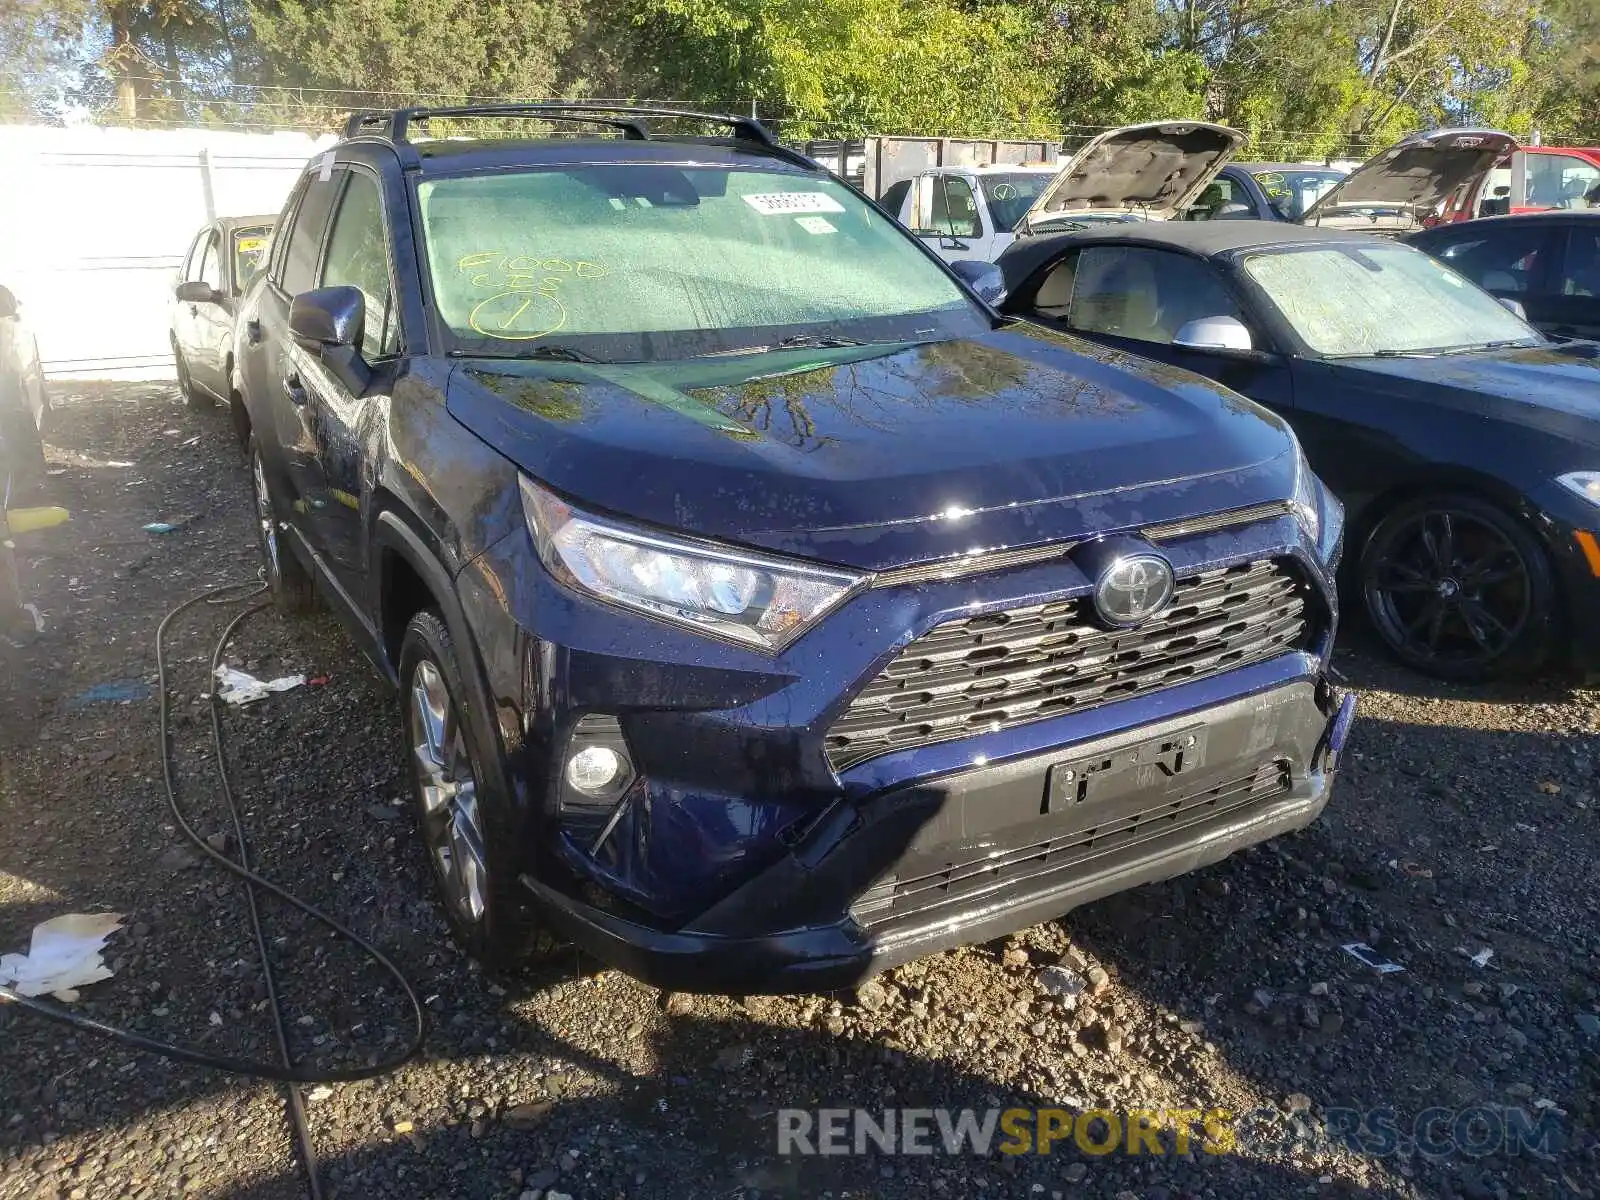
point(1133, 589)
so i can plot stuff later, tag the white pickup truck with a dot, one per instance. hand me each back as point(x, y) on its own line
point(967, 212)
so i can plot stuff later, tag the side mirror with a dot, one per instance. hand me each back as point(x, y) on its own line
point(1214, 333)
point(1514, 306)
point(196, 292)
point(8, 303)
point(328, 317)
point(982, 277)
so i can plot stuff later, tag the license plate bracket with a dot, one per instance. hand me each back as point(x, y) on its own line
point(1135, 767)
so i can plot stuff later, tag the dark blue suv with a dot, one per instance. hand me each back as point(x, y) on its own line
point(765, 609)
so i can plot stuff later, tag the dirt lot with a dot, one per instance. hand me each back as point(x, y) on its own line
point(1466, 821)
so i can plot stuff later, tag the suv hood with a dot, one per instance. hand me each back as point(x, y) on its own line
point(880, 456)
point(1410, 179)
point(1155, 170)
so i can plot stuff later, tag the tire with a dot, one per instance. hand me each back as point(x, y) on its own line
point(467, 837)
point(192, 395)
point(1461, 590)
point(291, 585)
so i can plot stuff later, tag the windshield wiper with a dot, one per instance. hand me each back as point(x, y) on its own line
point(1470, 348)
point(816, 341)
point(555, 353)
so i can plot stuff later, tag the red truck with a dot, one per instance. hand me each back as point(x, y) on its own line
point(1530, 179)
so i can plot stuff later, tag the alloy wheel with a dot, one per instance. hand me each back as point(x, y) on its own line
point(451, 824)
point(1447, 586)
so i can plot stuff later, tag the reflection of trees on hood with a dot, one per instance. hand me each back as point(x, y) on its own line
point(972, 371)
point(753, 404)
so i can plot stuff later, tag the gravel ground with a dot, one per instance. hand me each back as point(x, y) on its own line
point(1466, 821)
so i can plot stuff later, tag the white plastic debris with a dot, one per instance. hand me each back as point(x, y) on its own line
point(239, 687)
point(1367, 956)
point(64, 955)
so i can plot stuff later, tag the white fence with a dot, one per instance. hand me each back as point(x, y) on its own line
point(95, 222)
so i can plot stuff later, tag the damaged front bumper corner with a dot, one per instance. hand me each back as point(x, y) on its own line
point(984, 852)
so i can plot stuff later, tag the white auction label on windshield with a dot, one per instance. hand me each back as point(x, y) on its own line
point(816, 224)
point(778, 204)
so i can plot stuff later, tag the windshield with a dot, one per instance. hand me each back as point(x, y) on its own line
point(248, 245)
point(1012, 195)
point(636, 262)
point(1358, 299)
point(1292, 192)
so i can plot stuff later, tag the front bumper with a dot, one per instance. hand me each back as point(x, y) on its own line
point(734, 856)
point(985, 852)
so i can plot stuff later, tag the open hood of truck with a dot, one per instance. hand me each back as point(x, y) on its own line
point(1399, 187)
point(1154, 170)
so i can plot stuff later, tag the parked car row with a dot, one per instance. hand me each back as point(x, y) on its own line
point(771, 600)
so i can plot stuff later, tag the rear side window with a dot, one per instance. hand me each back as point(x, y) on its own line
point(358, 256)
point(1580, 273)
point(1504, 261)
point(305, 236)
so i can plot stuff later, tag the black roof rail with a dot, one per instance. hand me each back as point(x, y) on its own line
point(363, 120)
point(395, 124)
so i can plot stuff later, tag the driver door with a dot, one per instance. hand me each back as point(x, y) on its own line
point(945, 211)
point(1137, 298)
point(335, 416)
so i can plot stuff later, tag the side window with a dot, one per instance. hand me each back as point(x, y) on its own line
point(1580, 271)
point(961, 209)
point(1148, 295)
point(211, 265)
point(1560, 181)
point(1222, 197)
point(191, 264)
point(1054, 297)
point(358, 256)
point(1507, 264)
point(304, 241)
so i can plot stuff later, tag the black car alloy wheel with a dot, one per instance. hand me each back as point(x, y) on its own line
point(459, 797)
point(1459, 589)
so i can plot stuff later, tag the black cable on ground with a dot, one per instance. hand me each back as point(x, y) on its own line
point(287, 1072)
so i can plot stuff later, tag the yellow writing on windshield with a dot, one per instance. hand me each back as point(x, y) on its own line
point(518, 316)
point(524, 301)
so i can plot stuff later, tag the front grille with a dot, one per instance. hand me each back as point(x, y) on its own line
point(1039, 866)
point(1003, 669)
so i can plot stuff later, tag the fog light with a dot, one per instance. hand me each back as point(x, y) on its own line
point(594, 768)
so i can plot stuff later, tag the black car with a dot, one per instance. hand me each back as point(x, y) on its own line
point(763, 607)
point(1548, 262)
point(1465, 445)
point(24, 400)
point(222, 261)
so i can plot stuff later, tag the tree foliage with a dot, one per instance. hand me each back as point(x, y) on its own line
point(1302, 77)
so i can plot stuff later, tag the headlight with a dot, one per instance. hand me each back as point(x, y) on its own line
point(743, 597)
point(1306, 501)
point(1585, 483)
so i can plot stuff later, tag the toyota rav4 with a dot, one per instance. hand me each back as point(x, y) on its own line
point(764, 608)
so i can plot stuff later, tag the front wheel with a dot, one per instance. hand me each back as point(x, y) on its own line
point(1460, 590)
point(465, 827)
point(287, 578)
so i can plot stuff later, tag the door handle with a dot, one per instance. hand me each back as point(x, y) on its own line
point(252, 332)
point(295, 390)
point(194, 310)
